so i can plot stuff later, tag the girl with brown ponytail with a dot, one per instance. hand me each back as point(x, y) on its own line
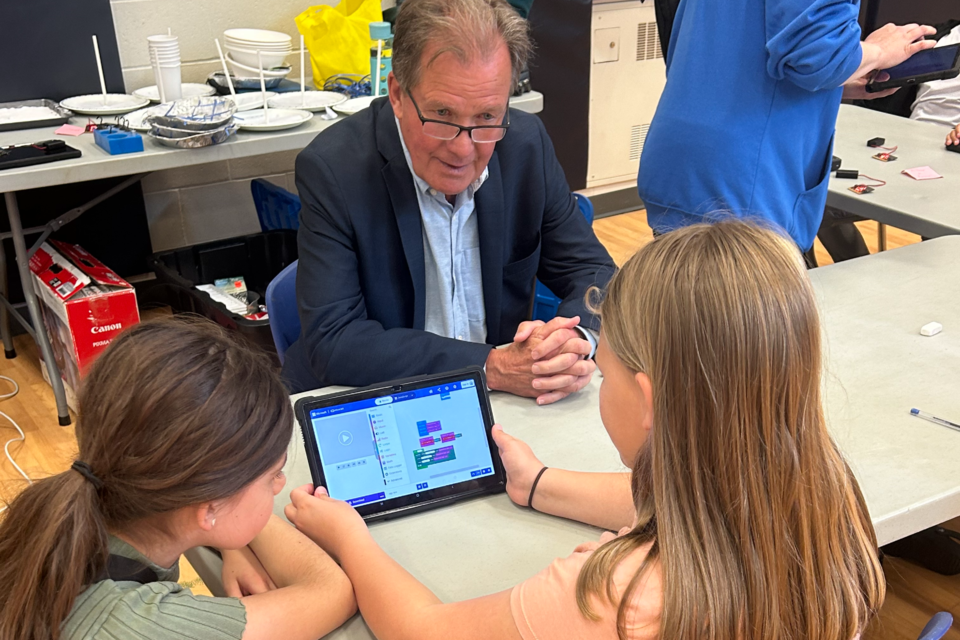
point(739, 520)
point(182, 440)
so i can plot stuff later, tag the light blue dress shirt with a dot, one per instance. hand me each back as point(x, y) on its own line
point(451, 254)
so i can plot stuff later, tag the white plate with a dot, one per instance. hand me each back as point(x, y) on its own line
point(309, 100)
point(187, 90)
point(279, 119)
point(136, 119)
point(257, 35)
point(353, 105)
point(99, 105)
point(251, 100)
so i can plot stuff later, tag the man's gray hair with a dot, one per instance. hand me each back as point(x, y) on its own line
point(467, 28)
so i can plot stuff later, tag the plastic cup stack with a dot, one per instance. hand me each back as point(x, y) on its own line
point(165, 60)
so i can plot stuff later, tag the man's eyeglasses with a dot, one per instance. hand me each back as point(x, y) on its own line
point(448, 131)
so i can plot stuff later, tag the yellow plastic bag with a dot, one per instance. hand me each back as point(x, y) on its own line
point(338, 38)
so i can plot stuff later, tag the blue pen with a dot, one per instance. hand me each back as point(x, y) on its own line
point(934, 419)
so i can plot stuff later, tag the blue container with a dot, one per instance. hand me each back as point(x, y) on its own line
point(116, 142)
point(380, 31)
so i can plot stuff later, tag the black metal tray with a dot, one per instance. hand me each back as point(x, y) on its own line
point(64, 115)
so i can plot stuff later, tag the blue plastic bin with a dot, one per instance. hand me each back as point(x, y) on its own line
point(277, 208)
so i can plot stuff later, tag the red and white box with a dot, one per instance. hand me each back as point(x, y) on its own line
point(84, 305)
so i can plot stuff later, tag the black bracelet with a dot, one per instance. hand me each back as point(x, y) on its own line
point(533, 488)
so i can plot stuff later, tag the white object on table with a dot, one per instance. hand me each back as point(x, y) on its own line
point(251, 100)
point(187, 90)
point(99, 105)
point(272, 119)
point(159, 78)
point(263, 92)
point(353, 105)
point(226, 71)
point(103, 85)
point(303, 74)
point(931, 329)
point(907, 472)
point(309, 101)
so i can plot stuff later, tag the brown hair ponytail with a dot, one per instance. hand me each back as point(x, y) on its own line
point(174, 413)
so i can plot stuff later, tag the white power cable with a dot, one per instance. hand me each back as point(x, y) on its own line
point(21, 438)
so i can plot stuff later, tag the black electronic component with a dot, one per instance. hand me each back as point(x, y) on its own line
point(876, 142)
point(835, 163)
point(849, 174)
point(953, 147)
point(51, 146)
point(30, 154)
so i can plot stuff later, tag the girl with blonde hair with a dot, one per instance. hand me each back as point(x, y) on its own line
point(739, 520)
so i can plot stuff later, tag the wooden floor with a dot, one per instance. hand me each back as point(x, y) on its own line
point(914, 594)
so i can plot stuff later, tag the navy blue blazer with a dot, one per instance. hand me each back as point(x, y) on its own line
point(360, 283)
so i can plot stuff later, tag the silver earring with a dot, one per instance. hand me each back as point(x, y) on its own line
point(213, 522)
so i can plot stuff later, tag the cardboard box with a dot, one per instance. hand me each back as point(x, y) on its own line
point(84, 305)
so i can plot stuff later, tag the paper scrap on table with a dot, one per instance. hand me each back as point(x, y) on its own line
point(922, 173)
point(69, 130)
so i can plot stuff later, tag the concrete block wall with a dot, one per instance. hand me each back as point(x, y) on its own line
point(209, 202)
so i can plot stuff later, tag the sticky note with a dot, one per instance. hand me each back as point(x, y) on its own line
point(922, 173)
point(69, 130)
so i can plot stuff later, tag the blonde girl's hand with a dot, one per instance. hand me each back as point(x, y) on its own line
point(521, 465)
point(332, 524)
point(953, 137)
point(243, 574)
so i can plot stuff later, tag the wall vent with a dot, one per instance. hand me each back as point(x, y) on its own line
point(648, 43)
point(638, 135)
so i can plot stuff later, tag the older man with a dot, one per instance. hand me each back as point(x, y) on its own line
point(427, 217)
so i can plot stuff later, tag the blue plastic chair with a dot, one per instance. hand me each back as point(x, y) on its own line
point(282, 308)
point(276, 207)
point(938, 626)
point(545, 303)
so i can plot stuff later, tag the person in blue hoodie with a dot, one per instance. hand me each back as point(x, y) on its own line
point(746, 121)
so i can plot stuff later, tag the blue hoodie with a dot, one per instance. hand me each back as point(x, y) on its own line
point(745, 124)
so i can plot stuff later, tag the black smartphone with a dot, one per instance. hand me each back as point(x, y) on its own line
point(941, 63)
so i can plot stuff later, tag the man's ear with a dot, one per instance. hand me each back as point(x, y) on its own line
point(396, 95)
point(646, 395)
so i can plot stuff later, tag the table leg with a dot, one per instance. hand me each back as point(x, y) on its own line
point(881, 236)
point(26, 279)
point(8, 349)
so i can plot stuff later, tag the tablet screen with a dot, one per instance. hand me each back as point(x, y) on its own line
point(924, 62)
point(401, 444)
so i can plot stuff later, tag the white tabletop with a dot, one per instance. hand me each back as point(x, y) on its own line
point(877, 368)
point(97, 163)
point(930, 208)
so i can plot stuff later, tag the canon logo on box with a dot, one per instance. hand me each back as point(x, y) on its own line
point(106, 327)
